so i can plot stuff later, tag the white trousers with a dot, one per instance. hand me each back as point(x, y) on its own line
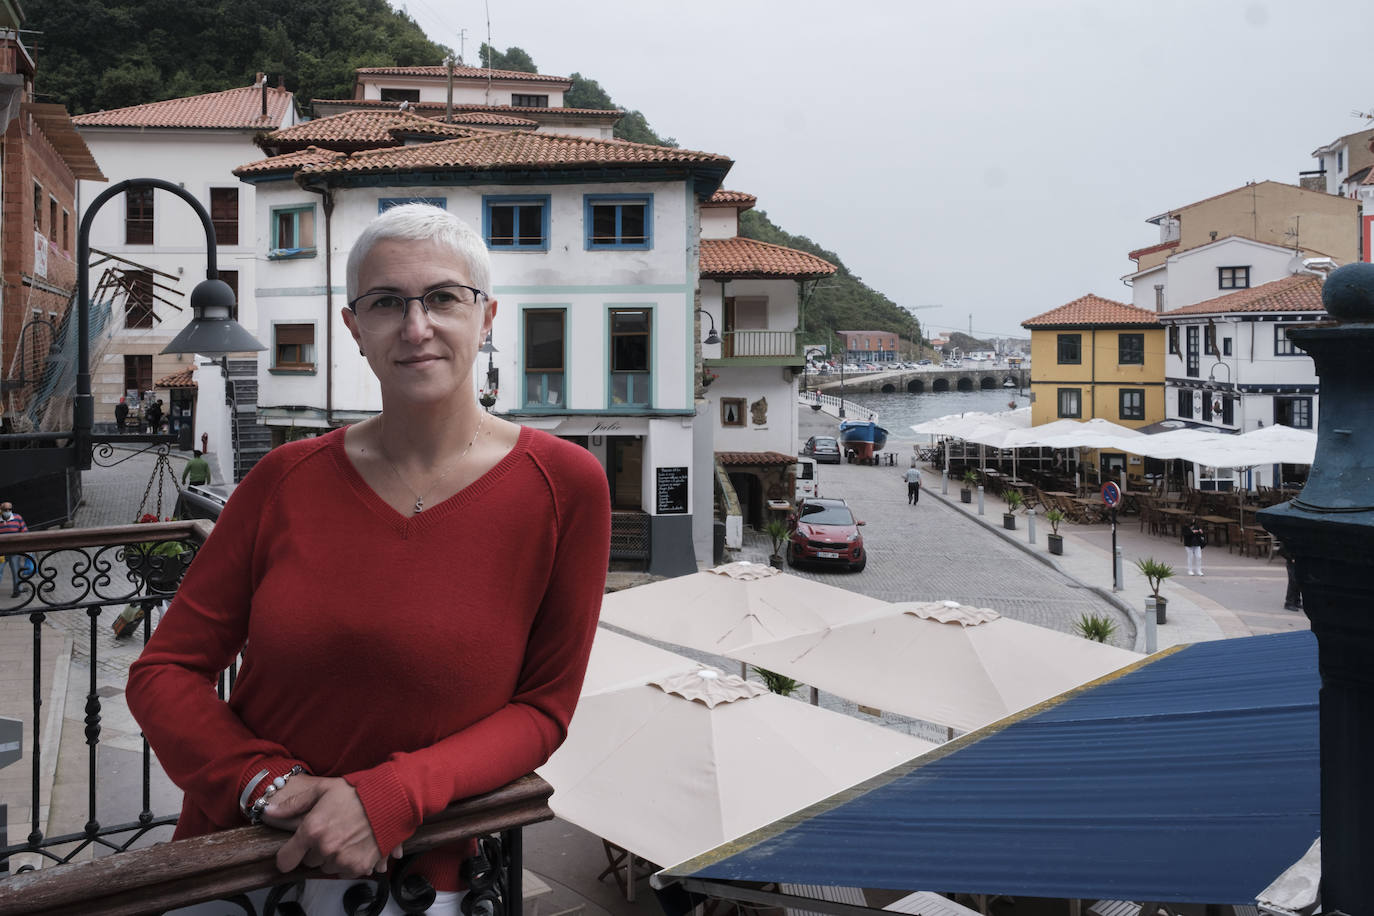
point(320, 897)
point(1194, 559)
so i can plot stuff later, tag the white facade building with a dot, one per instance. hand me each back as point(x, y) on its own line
point(594, 266)
point(1209, 271)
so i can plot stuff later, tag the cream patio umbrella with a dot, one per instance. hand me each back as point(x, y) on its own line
point(941, 662)
point(673, 768)
point(733, 605)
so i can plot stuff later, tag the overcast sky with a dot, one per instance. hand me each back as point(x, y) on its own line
point(998, 159)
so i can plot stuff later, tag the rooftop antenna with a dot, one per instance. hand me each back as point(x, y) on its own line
point(1293, 234)
point(462, 41)
point(492, 52)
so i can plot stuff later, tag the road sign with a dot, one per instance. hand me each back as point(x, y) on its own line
point(11, 741)
point(1111, 494)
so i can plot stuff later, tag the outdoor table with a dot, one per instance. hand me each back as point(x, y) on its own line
point(1218, 525)
point(1174, 518)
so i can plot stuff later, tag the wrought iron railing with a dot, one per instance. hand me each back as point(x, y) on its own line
point(79, 580)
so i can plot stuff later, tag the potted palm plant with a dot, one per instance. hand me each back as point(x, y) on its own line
point(778, 531)
point(970, 481)
point(1155, 572)
point(1054, 517)
point(1013, 499)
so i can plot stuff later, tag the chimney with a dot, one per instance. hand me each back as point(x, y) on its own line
point(262, 84)
point(1329, 531)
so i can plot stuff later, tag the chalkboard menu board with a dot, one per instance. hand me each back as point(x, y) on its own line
point(672, 490)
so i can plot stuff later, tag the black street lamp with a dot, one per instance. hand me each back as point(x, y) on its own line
point(212, 330)
point(487, 396)
point(806, 372)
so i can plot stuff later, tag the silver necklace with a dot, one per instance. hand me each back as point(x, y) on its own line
point(420, 497)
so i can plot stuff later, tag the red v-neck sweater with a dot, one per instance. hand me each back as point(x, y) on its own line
point(423, 659)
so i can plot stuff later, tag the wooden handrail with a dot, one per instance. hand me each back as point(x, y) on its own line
point(65, 538)
point(219, 865)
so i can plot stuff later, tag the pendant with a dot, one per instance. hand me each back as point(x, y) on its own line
point(419, 504)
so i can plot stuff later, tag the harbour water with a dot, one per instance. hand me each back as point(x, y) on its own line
point(897, 412)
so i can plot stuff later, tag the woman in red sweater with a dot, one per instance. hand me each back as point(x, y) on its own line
point(414, 596)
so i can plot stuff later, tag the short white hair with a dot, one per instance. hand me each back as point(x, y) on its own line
point(419, 222)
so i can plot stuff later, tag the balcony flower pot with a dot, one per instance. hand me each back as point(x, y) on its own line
point(487, 400)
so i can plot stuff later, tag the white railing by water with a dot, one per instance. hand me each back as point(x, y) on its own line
point(831, 405)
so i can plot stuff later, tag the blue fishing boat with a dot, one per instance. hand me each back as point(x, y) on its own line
point(862, 438)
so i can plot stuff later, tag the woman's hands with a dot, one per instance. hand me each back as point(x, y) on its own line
point(330, 828)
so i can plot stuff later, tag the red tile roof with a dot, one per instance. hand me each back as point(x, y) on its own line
point(756, 459)
point(462, 72)
point(362, 130)
point(740, 258)
point(180, 379)
point(289, 162)
point(1151, 249)
point(1298, 293)
point(233, 108)
point(1091, 310)
point(737, 199)
point(516, 149)
point(437, 109)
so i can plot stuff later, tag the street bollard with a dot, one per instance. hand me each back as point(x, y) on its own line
point(944, 481)
point(1030, 525)
point(1151, 632)
point(980, 499)
point(1117, 578)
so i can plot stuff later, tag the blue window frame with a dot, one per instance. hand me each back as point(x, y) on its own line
point(293, 232)
point(619, 221)
point(516, 223)
point(386, 203)
point(631, 347)
point(545, 345)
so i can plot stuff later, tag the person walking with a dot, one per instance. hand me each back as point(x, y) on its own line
point(913, 484)
point(154, 414)
point(12, 522)
point(1194, 539)
point(197, 470)
point(121, 415)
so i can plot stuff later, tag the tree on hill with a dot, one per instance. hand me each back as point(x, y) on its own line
point(587, 93)
point(161, 49)
point(512, 58)
point(842, 302)
point(968, 344)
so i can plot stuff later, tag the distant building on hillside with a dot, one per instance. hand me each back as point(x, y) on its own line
point(869, 346)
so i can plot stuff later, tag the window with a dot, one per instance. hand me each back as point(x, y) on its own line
point(386, 203)
point(1283, 346)
point(1228, 410)
point(1294, 412)
point(37, 207)
point(294, 347)
point(400, 95)
point(1206, 407)
point(138, 216)
point(516, 222)
point(1209, 339)
point(138, 372)
point(1130, 349)
point(1132, 403)
point(293, 232)
point(529, 101)
point(630, 375)
point(732, 412)
point(1173, 339)
point(224, 215)
point(138, 299)
point(66, 231)
point(1226, 346)
point(52, 218)
point(1185, 404)
point(1194, 357)
point(1070, 349)
point(1233, 278)
point(231, 279)
point(1071, 402)
point(545, 339)
point(618, 221)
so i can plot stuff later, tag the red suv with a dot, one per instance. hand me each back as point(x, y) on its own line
point(825, 531)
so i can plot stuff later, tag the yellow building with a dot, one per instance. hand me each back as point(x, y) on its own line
point(1097, 358)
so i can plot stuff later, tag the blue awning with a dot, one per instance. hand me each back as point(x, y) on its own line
point(1189, 777)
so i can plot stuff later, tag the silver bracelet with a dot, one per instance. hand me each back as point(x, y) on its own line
point(255, 812)
point(248, 791)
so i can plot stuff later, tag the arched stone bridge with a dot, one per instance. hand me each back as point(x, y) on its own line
point(919, 381)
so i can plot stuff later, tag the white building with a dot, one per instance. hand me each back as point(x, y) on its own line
point(752, 293)
point(1342, 164)
point(594, 260)
point(1211, 270)
point(195, 142)
point(1230, 365)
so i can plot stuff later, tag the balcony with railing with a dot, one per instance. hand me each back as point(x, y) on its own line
point(85, 851)
point(759, 347)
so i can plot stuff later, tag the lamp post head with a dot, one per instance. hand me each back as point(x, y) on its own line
point(712, 337)
point(212, 330)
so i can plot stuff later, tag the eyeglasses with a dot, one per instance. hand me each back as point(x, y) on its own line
point(386, 311)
